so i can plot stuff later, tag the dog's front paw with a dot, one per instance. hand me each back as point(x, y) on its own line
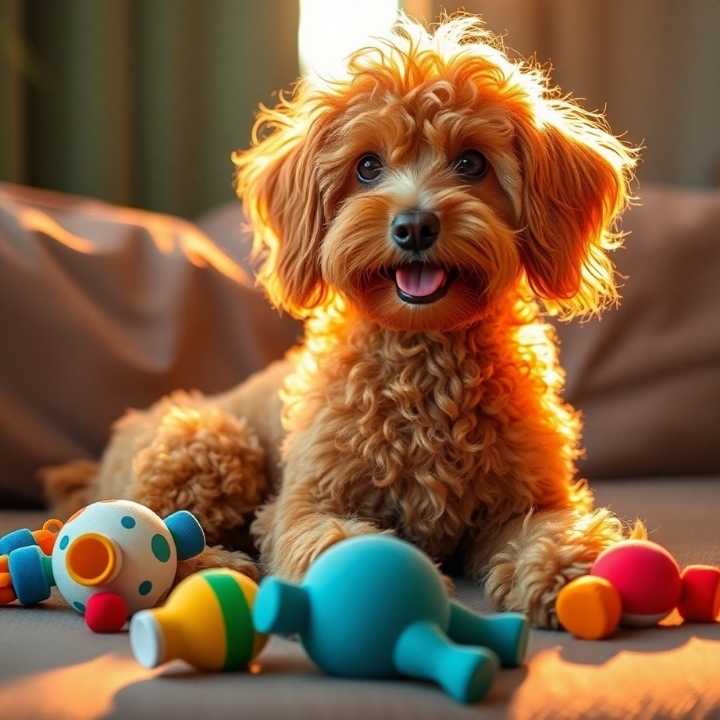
point(530, 588)
point(549, 550)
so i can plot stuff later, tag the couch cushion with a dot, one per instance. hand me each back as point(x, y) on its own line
point(106, 308)
point(647, 375)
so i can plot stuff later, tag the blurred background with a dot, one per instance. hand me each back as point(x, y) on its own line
point(139, 102)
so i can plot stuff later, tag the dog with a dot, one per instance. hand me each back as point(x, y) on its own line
point(421, 214)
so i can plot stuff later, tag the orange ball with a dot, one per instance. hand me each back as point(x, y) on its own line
point(589, 608)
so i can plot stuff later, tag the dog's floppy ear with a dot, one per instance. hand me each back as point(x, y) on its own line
point(278, 184)
point(575, 185)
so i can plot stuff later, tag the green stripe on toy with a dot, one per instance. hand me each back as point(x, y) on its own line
point(236, 616)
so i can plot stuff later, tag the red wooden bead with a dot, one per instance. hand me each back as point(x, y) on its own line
point(700, 598)
point(106, 612)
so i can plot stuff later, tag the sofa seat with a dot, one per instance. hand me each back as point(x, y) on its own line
point(51, 666)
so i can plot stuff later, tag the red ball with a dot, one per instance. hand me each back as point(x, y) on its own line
point(700, 599)
point(106, 612)
point(646, 576)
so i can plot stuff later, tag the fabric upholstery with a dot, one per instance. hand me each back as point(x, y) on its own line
point(106, 308)
point(58, 669)
point(647, 375)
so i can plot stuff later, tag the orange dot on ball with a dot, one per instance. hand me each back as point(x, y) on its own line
point(589, 608)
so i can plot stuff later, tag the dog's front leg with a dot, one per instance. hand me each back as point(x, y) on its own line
point(528, 561)
point(293, 529)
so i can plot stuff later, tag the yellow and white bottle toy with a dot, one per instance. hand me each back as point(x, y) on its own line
point(206, 621)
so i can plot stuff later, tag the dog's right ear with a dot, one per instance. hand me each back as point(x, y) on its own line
point(277, 180)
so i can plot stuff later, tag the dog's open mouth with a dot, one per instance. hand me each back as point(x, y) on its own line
point(421, 283)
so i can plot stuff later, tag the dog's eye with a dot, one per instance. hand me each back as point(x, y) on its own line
point(471, 164)
point(369, 168)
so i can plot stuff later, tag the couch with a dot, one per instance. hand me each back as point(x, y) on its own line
point(105, 308)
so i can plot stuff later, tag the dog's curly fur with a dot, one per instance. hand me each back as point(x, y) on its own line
point(440, 422)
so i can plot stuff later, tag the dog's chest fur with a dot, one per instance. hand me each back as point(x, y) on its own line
point(408, 430)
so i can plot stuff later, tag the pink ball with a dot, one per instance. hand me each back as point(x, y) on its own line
point(646, 576)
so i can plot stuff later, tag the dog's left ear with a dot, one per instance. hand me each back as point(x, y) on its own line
point(575, 185)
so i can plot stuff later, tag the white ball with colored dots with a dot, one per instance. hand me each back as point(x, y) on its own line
point(115, 557)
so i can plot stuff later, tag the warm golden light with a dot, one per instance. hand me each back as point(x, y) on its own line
point(64, 693)
point(677, 679)
point(37, 221)
point(167, 233)
point(331, 29)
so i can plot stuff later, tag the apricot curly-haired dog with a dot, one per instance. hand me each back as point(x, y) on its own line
point(418, 214)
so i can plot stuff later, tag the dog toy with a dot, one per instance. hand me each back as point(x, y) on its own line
point(589, 607)
point(636, 583)
point(376, 607)
point(110, 559)
point(44, 538)
point(700, 597)
point(206, 621)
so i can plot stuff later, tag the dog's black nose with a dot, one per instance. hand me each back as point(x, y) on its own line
point(415, 229)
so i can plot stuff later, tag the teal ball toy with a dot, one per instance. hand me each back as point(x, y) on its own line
point(377, 607)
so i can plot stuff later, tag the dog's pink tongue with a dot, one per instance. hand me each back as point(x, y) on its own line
point(419, 279)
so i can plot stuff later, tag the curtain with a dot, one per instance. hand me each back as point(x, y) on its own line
point(653, 64)
point(138, 102)
point(141, 101)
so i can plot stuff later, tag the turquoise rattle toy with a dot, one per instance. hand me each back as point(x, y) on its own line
point(109, 560)
point(377, 607)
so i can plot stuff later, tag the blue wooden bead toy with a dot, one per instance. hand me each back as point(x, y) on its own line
point(377, 607)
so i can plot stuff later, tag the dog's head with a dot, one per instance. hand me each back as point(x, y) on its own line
point(431, 181)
